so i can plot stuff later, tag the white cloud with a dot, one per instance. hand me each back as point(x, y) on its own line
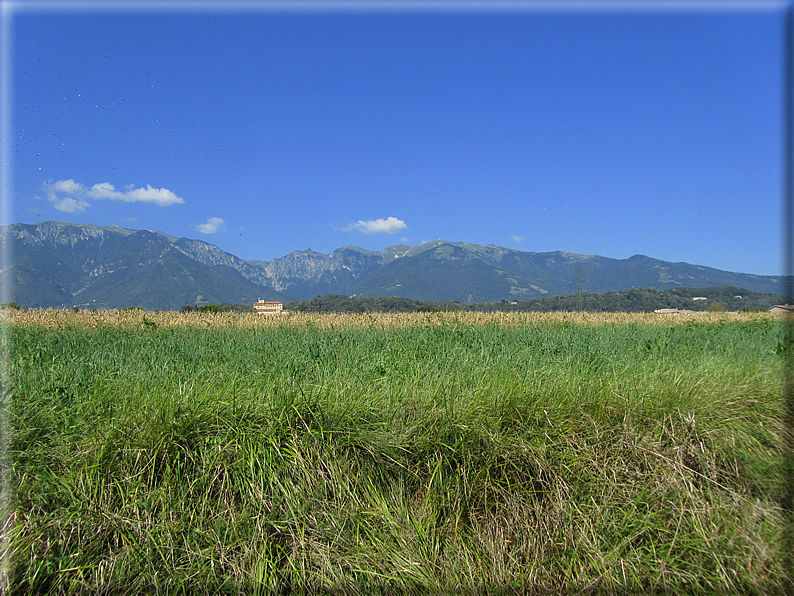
point(159, 196)
point(67, 186)
point(68, 204)
point(212, 226)
point(517, 238)
point(71, 196)
point(390, 225)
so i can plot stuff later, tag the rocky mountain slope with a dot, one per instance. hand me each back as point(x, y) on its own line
point(56, 264)
point(59, 264)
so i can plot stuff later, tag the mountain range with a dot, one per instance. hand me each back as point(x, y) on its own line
point(60, 264)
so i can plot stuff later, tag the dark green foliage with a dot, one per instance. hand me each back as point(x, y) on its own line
point(426, 308)
point(648, 300)
point(338, 303)
point(238, 308)
point(211, 308)
point(634, 300)
point(225, 307)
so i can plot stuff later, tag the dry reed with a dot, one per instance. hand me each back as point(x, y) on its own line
point(61, 319)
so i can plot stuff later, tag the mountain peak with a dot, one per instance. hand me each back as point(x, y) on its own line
point(63, 264)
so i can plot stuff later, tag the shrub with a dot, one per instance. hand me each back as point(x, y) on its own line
point(426, 308)
point(211, 308)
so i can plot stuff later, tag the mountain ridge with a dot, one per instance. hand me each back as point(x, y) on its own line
point(61, 264)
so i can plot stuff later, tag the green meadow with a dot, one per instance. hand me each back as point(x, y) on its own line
point(441, 456)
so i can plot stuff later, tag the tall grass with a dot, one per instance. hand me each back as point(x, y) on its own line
point(59, 319)
point(361, 454)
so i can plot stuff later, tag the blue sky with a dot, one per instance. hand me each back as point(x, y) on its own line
point(612, 131)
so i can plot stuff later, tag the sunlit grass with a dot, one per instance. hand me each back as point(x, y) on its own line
point(59, 319)
point(399, 453)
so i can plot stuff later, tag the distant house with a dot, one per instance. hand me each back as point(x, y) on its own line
point(782, 308)
point(699, 298)
point(673, 311)
point(268, 308)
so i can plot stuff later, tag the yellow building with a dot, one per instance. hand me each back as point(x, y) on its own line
point(268, 308)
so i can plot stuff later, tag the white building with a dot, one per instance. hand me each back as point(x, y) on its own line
point(268, 308)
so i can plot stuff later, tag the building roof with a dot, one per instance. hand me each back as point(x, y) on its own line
point(782, 308)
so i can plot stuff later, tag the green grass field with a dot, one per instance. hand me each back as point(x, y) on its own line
point(437, 456)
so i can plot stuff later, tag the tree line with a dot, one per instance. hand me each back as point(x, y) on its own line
point(728, 298)
point(717, 298)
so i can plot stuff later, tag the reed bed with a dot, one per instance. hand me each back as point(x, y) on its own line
point(395, 454)
point(61, 319)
